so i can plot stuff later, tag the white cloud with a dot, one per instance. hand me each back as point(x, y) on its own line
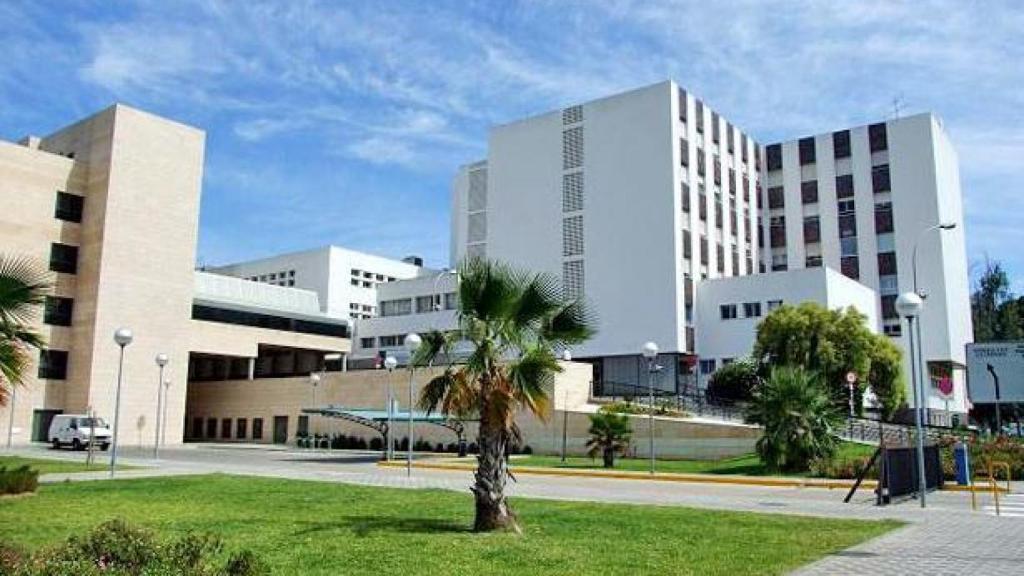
point(384, 150)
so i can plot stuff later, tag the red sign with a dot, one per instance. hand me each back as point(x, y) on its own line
point(944, 385)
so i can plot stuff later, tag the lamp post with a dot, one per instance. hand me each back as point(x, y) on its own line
point(412, 343)
point(922, 366)
point(390, 362)
point(439, 304)
point(161, 361)
point(314, 381)
point(909, 305)
point(567, 357)
point(163, 423)
point(122, 337)
point(650, 352)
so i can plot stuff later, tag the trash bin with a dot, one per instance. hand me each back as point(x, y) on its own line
point(962, 459)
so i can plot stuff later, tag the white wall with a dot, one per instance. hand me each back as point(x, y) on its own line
point(443, 320)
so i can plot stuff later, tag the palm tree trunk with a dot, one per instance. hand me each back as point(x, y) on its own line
point(492, 510)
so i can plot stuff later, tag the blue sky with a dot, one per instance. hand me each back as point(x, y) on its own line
point(343, 122)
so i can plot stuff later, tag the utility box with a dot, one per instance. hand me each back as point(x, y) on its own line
point(962, 459)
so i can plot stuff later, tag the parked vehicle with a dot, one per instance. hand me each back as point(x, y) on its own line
point(78, 431)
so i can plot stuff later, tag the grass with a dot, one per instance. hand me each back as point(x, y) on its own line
point(48, 466)
point(303, 527)
point(749, 464)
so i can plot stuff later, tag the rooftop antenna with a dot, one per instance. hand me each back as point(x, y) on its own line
point(897, 106)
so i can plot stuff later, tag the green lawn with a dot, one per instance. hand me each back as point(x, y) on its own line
point(325, 528)
point(101, 461)
point(749, 464)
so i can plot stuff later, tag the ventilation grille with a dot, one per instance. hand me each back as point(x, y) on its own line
point(572, 279)
point(572, 192)
point(477, 190)
point(477, 227)
point(572, 148)
point(572, 115)
point(572, 236)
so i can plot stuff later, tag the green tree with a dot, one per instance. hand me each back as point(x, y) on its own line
point(997, 315)
point(23, 289)
point(798, 416)
point(831, 343)
point(609, 435)
point(734, 381)
point(514, 323)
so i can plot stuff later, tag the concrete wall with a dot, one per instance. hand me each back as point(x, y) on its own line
point(368, 389)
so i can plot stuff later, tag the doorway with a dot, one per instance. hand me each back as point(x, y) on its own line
point(280, 429)
point(41, 420)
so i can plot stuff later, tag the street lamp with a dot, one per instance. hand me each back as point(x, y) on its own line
point(567, 357)
point(161, 361)
point(122, 337)
point(439, 304)
point(412, 343)
point(922, 366)
point(650, 352)
point(389, 363)
point(314, 381)
point(163, 424)
point(909, 305)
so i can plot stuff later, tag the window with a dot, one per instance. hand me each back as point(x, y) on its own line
point(809, 192)
point(302, 428)
point(355, 282)
point(57, 311)
point(774, 304)
point(880, 179)
point(63, 258)
point(883, 218)
point(892, 330)
point(367, 342)
point(776, 198)
point(812, 230)
point(718, 212)
point(700, 115)
point(197, 427)
point(846, 207)
point(450, 301)
point(847, 225)
point(841, 144)
point(746, 188)
point(701, 159)
point(686, 197)
point(773, 153)
point(850, 267)
point(780, 262)
point(848, 246)
point(707, 366)
point(682, 105)
point(727, 311)
point(877, 138)
point(225, 428)
point(69, 207)
point(729, 138)
point(53, 364)
point(211, 428)
point(257, 428)
point(715, 137)
point(241, 426)
point(844, 186)
point(720, 255)
point(743, 147)
point(391, 341)
point(732, 183)
point(702, 206)
point(886, 263)
point(888, 285)
point(424, 304)
point(684, 152)
point(687, 250)
point(813, 262)
point(889, 307)
point(402, 307)
point(778, 231)
point(752, 309)
point(806, 151)
point(704, 250)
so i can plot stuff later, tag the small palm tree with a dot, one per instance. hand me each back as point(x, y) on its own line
point(609, 435)
point(514, 323)
point(23, 288)
point(798, 416)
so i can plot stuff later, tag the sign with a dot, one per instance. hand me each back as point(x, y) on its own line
point(851, 377)
point(995, 366)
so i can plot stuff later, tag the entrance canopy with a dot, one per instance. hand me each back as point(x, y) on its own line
point(378, 419)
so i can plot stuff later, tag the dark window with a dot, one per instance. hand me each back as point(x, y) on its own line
point(684, 152)
point(841, 144)
point(714, 128)
point(682, 105)
point(240, 428)
point(774, 155)
point(778, 231)
point(700, 115)
point(847, 225)
point(687, 249)
point(701, 159)
point(883, 218)
point(718, 170)
point(892, 330)
point(806, 151)
point(303, 426)
point(733, 224)
point(702, 208)
point(53, 364)
point(688, 289)
point(886, 263)
point(812, 230)
point(703, 250)
point(850, 267)
point(63, 258)
point(57, 311)
point(732, 182)
point(727, 311)
point(743, 147)
point(880, 178)
point(809, 192)
point(746, 188)
point(211, 428)
point(257, 428)
point(197, 428)
point(844, 186)
point(686, 197)
point(813, 262)
point(718, 213)
point(877, 139)
point(225, 428)
point(746, 224)
point(226, 316)
point(720, 254)
point(752, 309)
point(735, 262)
point(776, 198)
point(730, 139)
point(69, 207)
point(889, 307)
point(760, 233)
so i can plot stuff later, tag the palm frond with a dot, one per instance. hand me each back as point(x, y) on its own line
point(540, 298)
point(487, 290)
point(23, 289)
point(531, 376)
point(574, 323)
point(435, 343)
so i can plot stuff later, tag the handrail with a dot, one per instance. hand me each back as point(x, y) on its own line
point(1004, 466)
point(992, 484)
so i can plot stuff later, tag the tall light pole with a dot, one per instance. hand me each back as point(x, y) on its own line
point(163, 423)
point(439, 304)
point(122, 337)
point(567, 357)
point(650, 352)
point(909, 305)
point(161, 361)
point(390, 362)
point(412, 343)
point(922, 366)
point(314, 381)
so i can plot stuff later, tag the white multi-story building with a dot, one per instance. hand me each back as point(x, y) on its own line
point(345, 280)
point(859, 200)
point(630, 199)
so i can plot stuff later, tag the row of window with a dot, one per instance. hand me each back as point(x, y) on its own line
point(750, 309)
point(237, 429)
point(877, 142)
point(880, 182)
point(363, 274)
point(282, 278)
point(715, 130)
point(424, 304)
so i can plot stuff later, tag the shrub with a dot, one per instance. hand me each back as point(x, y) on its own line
point(845, 468)
point(375, 443)
point(18, 480)
point(527, 449)
point(609, 435)
point(733, 382)
point(798, 417)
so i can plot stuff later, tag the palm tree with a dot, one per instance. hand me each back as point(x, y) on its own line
point(798, 416)
point(514, 323)
point(23, 288)
point(609, 435)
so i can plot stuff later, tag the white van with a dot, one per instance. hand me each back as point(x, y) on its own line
point(77, 431)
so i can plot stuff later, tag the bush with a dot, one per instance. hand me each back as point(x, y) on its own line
point(375, 444)
point(983, 451)
point(845, 468)
point(117, 548)
point(733, 382)
point(18, 480)
point(527, 449)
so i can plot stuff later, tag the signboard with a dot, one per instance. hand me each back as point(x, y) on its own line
point(992, 365)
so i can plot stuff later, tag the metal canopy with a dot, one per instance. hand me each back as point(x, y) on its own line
point(378, 419)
